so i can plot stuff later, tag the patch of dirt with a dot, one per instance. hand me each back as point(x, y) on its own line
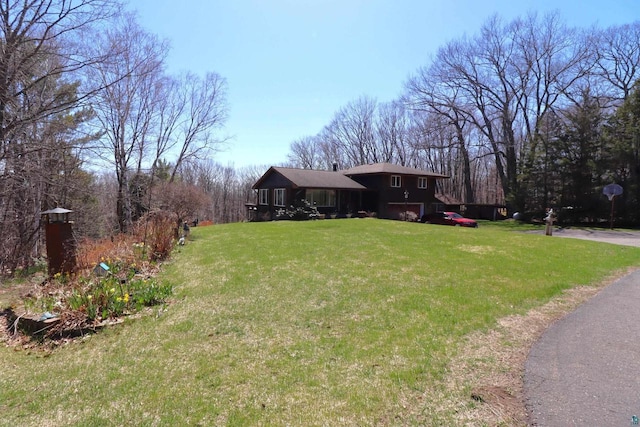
point(11, 295)
point(13, 291)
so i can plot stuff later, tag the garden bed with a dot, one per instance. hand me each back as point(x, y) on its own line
point(65, 325)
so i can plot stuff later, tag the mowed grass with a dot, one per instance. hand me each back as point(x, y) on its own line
point(334, 322)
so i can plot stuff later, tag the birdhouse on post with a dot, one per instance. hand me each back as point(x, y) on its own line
point(61, 246)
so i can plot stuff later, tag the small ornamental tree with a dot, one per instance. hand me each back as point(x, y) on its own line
point(184, 201)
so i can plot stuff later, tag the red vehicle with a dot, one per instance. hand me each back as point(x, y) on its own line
point(449, 218)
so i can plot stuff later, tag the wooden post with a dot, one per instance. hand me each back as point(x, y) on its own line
point(548, 229)
point(611, 215)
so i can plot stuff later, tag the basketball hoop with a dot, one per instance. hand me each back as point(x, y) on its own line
point(611, 191)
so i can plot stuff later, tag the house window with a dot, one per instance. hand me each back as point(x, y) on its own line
point(422, 182)
point(396, 181)
point(322, 198)
point(278, 197)
point(263, 196)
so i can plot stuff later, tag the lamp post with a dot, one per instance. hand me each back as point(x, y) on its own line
point(61, 244)
point(406, 199)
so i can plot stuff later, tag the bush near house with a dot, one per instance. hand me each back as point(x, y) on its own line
point(301, 211)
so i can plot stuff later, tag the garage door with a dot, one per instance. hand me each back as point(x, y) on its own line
point(396, 210)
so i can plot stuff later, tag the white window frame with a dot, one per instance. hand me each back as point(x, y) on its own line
point(263, 196)
point(422, 182)
point(279, 196)
point(396, 181)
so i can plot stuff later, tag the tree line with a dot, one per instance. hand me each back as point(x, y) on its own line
point(90, 120)
point(530, 113)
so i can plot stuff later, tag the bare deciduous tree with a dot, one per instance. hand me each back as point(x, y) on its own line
point(502, 83)
point(227, 189)
point(305, 153)
point(392, 126)
point(352, 132)
point(203, 102)
point(41, 94)
point(125, 109)
point(427, 92)
point(183, 200)
point(618, 57)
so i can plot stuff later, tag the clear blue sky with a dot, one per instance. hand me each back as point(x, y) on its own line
point(291, 64)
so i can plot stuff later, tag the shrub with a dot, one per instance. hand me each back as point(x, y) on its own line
point(408, 216)
point(120, 247)
point(301, 211)
point(111, 297)
point(157, 232)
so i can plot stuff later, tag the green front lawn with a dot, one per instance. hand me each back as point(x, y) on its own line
point(333, 322)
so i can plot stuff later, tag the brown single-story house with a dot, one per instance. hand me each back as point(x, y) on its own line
point(385, 189)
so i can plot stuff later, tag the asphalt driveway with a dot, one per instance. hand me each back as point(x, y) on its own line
point(618, 237)
point(585, 369)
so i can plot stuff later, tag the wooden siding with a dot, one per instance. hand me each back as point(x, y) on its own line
point(275, 180)
point(386, 195)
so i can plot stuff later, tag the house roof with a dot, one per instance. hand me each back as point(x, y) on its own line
point(391, 169)
point(447, 199)
point(309, 178)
